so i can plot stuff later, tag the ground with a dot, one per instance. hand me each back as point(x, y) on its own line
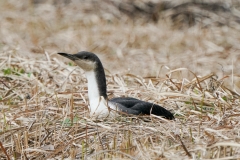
point(187, 65)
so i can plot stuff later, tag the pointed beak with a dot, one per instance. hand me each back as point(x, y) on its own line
point(69, 56)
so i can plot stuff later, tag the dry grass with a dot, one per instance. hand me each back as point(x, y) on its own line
point(192, 72)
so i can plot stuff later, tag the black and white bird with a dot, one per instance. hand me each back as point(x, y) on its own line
point(100, 106)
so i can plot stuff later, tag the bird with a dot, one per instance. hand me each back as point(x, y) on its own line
point(99, 104)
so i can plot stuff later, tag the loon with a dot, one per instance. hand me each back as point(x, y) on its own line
point(100, 106)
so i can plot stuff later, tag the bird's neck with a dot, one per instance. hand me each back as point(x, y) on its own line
point(96, 83)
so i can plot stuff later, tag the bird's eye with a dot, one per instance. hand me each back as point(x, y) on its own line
point(85, 57)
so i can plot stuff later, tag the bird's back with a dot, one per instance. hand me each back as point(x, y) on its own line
point(134, 106)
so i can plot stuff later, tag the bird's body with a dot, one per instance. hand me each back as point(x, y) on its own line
point(100, 106)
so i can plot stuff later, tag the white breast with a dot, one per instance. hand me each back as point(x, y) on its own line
point(98, 105)
point(100, 108)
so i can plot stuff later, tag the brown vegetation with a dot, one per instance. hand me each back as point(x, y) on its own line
point(154, 51)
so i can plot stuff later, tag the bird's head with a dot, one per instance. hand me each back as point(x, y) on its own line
point(86, 60)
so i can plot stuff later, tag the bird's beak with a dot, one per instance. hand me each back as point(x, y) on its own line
point(69, 56)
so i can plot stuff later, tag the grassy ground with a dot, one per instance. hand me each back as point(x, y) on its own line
point(193, 72)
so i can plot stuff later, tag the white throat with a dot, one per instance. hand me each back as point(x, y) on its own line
point(93, 92)
point(98, 105)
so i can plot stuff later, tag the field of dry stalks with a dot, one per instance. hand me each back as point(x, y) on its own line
point(189, 67)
